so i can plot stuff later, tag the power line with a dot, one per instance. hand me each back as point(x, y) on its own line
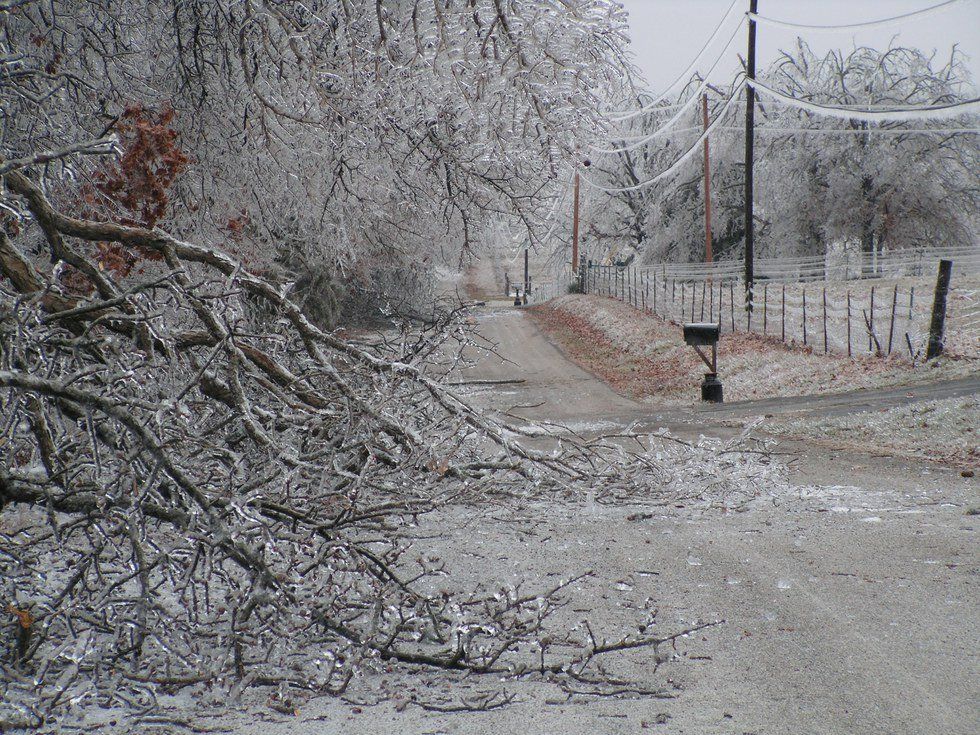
point(895, 114)
point(673, 167)
point(660, 131)
point(849, 26)
point(858, 131)
point(653, 104)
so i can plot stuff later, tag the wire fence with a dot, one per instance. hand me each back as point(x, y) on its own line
point(858, 317)
point(843, 265)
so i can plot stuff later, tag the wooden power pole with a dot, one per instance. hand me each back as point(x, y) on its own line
point(527, 272)
point(749, 144)
point(575, 227)
point(708, 255)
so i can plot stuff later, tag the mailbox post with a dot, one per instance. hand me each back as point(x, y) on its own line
point(705, 334)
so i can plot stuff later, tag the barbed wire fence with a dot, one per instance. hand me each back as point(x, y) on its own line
point(854, 304)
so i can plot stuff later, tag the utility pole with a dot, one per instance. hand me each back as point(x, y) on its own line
point(749, 143)
point(527, 274)
point(708, 256)
point(575, 227)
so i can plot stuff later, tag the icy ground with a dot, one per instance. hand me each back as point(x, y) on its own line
point(645, 358)
point(943, 430)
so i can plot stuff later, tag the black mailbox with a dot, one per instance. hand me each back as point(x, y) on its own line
point(702, 334)
point(706, 334)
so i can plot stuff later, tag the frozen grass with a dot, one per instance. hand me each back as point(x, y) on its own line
point(944, 430)
point(643, 357)
point(780, 309)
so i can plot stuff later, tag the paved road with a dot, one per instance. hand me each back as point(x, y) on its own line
point(840, 404)
point(560, 390)
point(851, 608)
point(854, 611)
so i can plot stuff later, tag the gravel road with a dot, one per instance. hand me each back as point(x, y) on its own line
point(850, 607)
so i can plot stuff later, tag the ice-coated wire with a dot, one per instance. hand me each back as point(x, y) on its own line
point(675, 166)
point(634, 138)
point(778, 23)
point(895, 114)
point(661, 131)
point(652, 105)
point(853, 131)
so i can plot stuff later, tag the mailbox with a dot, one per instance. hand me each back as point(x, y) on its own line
point(703, 334)
point(706, 334)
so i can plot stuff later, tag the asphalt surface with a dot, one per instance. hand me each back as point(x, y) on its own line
point(855, 611)
point(850, 604)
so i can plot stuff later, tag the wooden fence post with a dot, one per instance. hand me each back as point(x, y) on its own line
point(731, 299)
point(871, 322)
point(804, 317)
point(891, 327)
point(937, 325)
point(721, 308)
point(783, 323)
point(721, 305)
point(765, 308)
point(825, 320)
point(848, 323)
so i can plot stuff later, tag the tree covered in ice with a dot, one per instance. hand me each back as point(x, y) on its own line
point(666, 219)
point(333, 144)
point(869, 182)
point(201, 487)
point(820, 179)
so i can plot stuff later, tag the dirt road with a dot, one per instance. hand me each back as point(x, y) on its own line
point(850, 604)
point(852, 611)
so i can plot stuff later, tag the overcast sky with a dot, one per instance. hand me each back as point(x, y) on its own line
point(667, 34)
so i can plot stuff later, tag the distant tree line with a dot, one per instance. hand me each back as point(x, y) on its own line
point(820, 180)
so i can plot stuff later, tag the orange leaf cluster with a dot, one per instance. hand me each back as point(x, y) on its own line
point(24, 617)
point(140, 181)
point(137, 187)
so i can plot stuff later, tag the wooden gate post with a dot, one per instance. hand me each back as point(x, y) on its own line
point(938, 324)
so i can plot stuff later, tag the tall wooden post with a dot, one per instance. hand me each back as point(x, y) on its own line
point(891, 326)
point(938, 324)
point(575, 226)
point(527, 279)
point(749, 144)
point(708, 255)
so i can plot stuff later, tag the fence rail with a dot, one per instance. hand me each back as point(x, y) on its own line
point(841, 266)
point(852, 317)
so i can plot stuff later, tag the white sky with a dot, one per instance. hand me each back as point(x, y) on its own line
point(667, 34)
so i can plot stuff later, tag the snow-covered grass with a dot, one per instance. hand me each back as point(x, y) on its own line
point(836, 312)
point(943, 430)
point(644, 357)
